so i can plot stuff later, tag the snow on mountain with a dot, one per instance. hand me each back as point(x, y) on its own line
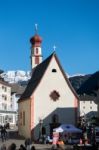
point(76, 75)
point(16, 76)
point(22, 77)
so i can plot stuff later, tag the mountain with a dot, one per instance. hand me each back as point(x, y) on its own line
point(22, 78)
point(78, 80)
point(1, 71)
point(81, 83)
point(91, 85)
point(88, 84)
point(16, 76)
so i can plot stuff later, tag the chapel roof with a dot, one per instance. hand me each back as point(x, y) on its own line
point(37, 75)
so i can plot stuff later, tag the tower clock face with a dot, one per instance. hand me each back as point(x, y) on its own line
point(54, 95)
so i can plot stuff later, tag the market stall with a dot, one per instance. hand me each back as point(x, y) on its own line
point(69, 133)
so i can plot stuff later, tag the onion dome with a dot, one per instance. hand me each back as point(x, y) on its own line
point(36, 40)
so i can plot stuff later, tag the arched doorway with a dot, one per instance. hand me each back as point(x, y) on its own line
point(54, 124)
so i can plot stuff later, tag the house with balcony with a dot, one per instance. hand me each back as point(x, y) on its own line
point(7, 114)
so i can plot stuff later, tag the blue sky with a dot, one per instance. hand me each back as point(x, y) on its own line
point(71, 25)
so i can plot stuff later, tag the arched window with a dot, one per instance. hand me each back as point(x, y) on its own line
point(54, 70)
point(36, 60)
point(36, 50)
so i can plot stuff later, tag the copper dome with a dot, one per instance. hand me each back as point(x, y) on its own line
point(35, 39)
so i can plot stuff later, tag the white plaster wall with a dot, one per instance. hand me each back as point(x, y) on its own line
point(39, 51)
point(87, 106)
point(0, 96)
point(33, 61)
point(14, 102)
point(24, 130)
point(44, 106)
point(7, 93)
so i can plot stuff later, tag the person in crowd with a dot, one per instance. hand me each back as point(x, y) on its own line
point(66, 138)
point(22, 147)
point(28, 143)
point(60, 144)
point(89, 134)
point(3, 134)
point(12, 147)
point(33, 148)
point(93, 140)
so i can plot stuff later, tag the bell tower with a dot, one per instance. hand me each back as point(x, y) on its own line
point(36, 51)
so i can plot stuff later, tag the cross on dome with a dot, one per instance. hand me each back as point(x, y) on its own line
point(36, 27)
point(36, 39)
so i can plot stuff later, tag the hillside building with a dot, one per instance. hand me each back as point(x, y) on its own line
point(7, 115)
point(88, 106)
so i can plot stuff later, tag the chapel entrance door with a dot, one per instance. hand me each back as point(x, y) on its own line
point(55, 123)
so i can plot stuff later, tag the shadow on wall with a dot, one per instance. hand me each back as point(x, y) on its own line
point(55, 119)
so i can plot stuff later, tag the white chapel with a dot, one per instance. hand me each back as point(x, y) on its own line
point(49, 99)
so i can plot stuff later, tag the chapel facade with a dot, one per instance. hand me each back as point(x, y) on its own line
point(49, 99)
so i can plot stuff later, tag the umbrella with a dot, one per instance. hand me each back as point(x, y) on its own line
point(67, 128)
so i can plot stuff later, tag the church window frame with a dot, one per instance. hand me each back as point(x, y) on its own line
point(90, 102)
point(54, 95)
